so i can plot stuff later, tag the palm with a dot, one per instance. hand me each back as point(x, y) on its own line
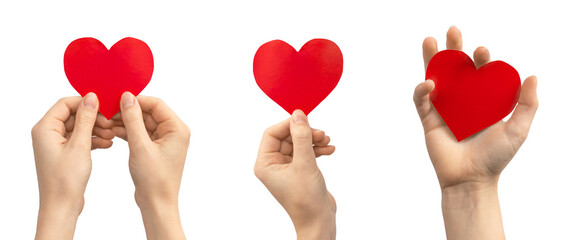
point(482, 155)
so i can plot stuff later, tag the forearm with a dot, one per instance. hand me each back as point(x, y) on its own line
point(56, 220)
point(162, 221)
point(472, 211)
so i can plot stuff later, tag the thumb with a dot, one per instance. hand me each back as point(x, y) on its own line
point(522, 117)
point(133, 122)
point(85, 119)
point(301, 138)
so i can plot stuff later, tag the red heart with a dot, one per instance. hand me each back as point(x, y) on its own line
point(298, 79)
point(470, 99)
point(90, 67)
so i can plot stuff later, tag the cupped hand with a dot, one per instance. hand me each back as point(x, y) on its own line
point(286, 165)
point(480, 158)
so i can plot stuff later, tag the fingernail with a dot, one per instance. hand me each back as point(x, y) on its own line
point(299, 117)
point(90, 101)
point(127, 100)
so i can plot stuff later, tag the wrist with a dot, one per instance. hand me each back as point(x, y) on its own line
point(157, 207)
point(57, 218)
point(322, 226)
point(152, 201)
point(161, 218)
point(71, 205)
point(472, 211)
point(469, 194)
point(68, 193)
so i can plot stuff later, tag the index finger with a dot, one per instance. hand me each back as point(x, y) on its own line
point(157, 108)
point(161, 119)
point(55, 119)
point(62, 110)
point(429, 49)
point(273, 136)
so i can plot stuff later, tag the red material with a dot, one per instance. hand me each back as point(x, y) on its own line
point(468, 99)
point(90, 67)
point(298, 79)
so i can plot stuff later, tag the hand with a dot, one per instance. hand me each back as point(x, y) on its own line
point(481, 157)
point(62, 141)
point(469, 170)
point(158, 142)
point(286, 164)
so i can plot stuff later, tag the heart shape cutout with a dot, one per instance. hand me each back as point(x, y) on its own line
point(91, 67)
point(470, 99)
point(298, 79)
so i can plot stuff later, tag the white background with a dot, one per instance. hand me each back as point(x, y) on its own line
point(380, 175)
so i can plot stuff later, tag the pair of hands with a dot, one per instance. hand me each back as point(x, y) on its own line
point(62, 141)
point(467, 171)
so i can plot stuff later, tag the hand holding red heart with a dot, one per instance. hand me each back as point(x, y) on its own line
point(286, 165)
point(158, 142)
point(62, 141)
point(158, 138)
point(453, 111)
point(482, 156)
point(474, 164)
point(64, 137)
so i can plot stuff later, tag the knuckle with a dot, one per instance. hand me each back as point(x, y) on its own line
point(158, 101)
point(185, 133)
point(151, 101)
point(519, 135)
point(84, 118)
point(186, 130)
point(62, 100)
point(268, 130)
point(36, 129)
point(131, 117)
point(301, 134)
point(149, 98)
point(258, 172)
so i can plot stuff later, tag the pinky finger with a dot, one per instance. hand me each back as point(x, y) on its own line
point(324, 151)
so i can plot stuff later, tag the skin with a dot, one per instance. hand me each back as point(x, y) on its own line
point(468, 171)
point(158, 142)
point(62, 142)
point(63, 139)
point(286, 165)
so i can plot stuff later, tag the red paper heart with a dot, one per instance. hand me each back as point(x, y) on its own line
point(90, 67)
point(298, 79)
point(470, 99)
